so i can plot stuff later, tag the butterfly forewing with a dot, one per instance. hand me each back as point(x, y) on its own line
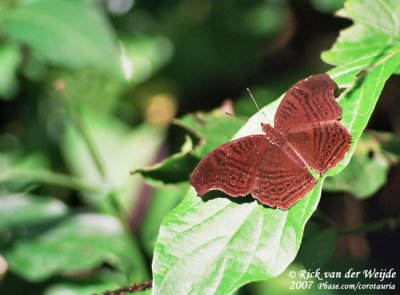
point(230, 168)
point(308, 101)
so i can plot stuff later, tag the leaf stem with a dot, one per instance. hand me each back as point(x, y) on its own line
point(390, 223)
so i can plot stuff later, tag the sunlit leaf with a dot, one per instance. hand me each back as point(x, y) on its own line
point(163, 200)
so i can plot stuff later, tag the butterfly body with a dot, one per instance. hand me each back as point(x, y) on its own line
point(273, 167)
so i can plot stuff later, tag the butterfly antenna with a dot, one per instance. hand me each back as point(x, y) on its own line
point(255, 102)
point(240, 117)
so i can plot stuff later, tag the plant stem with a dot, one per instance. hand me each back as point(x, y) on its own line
point(390, 223)
point(87, 139)
point(140, 264)
point(48, 178)
point(89, 143)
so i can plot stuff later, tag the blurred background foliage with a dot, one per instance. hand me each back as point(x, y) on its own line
point(88, 93)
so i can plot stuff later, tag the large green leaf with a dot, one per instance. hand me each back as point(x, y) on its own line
point(70, 33)
point(163, 200)
point(215, 246)
point(79, 243)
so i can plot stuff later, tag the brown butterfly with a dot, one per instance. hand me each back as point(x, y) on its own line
point(273, 167)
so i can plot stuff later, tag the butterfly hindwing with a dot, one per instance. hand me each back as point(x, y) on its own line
point(280, 180)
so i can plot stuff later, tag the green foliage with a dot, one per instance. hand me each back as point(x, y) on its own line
point(220, 245)
point(10, 58)
point(87, 97)
point(112, 137)
point(318, 244)
point(19, 210)
point(368, 168)
point(210, 130)
point(73, 238)
point(164, 200)
point(51, 31)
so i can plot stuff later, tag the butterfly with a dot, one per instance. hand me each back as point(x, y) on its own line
point(273, 167)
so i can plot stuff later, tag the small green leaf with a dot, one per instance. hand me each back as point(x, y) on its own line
point(211, 129)
point(327, 6)
point(79, 243)
point(63, 32)
point(10, 58)
point(173, 170)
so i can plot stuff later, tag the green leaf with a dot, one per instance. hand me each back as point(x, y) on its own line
point(63, 32)
point(216, 246)
point(115, 144)
point(98, 282)
point(173, 170)
point(382, 16)
point(375, 33)
point(219, 245)
point(79, 243)
point(327, 6)
point(20, 210)
point(10, 58)
point(79, 289)
point(222, 245)
point(163, 200)
point(367, 171)
point(211, 129)
point(145, 55)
